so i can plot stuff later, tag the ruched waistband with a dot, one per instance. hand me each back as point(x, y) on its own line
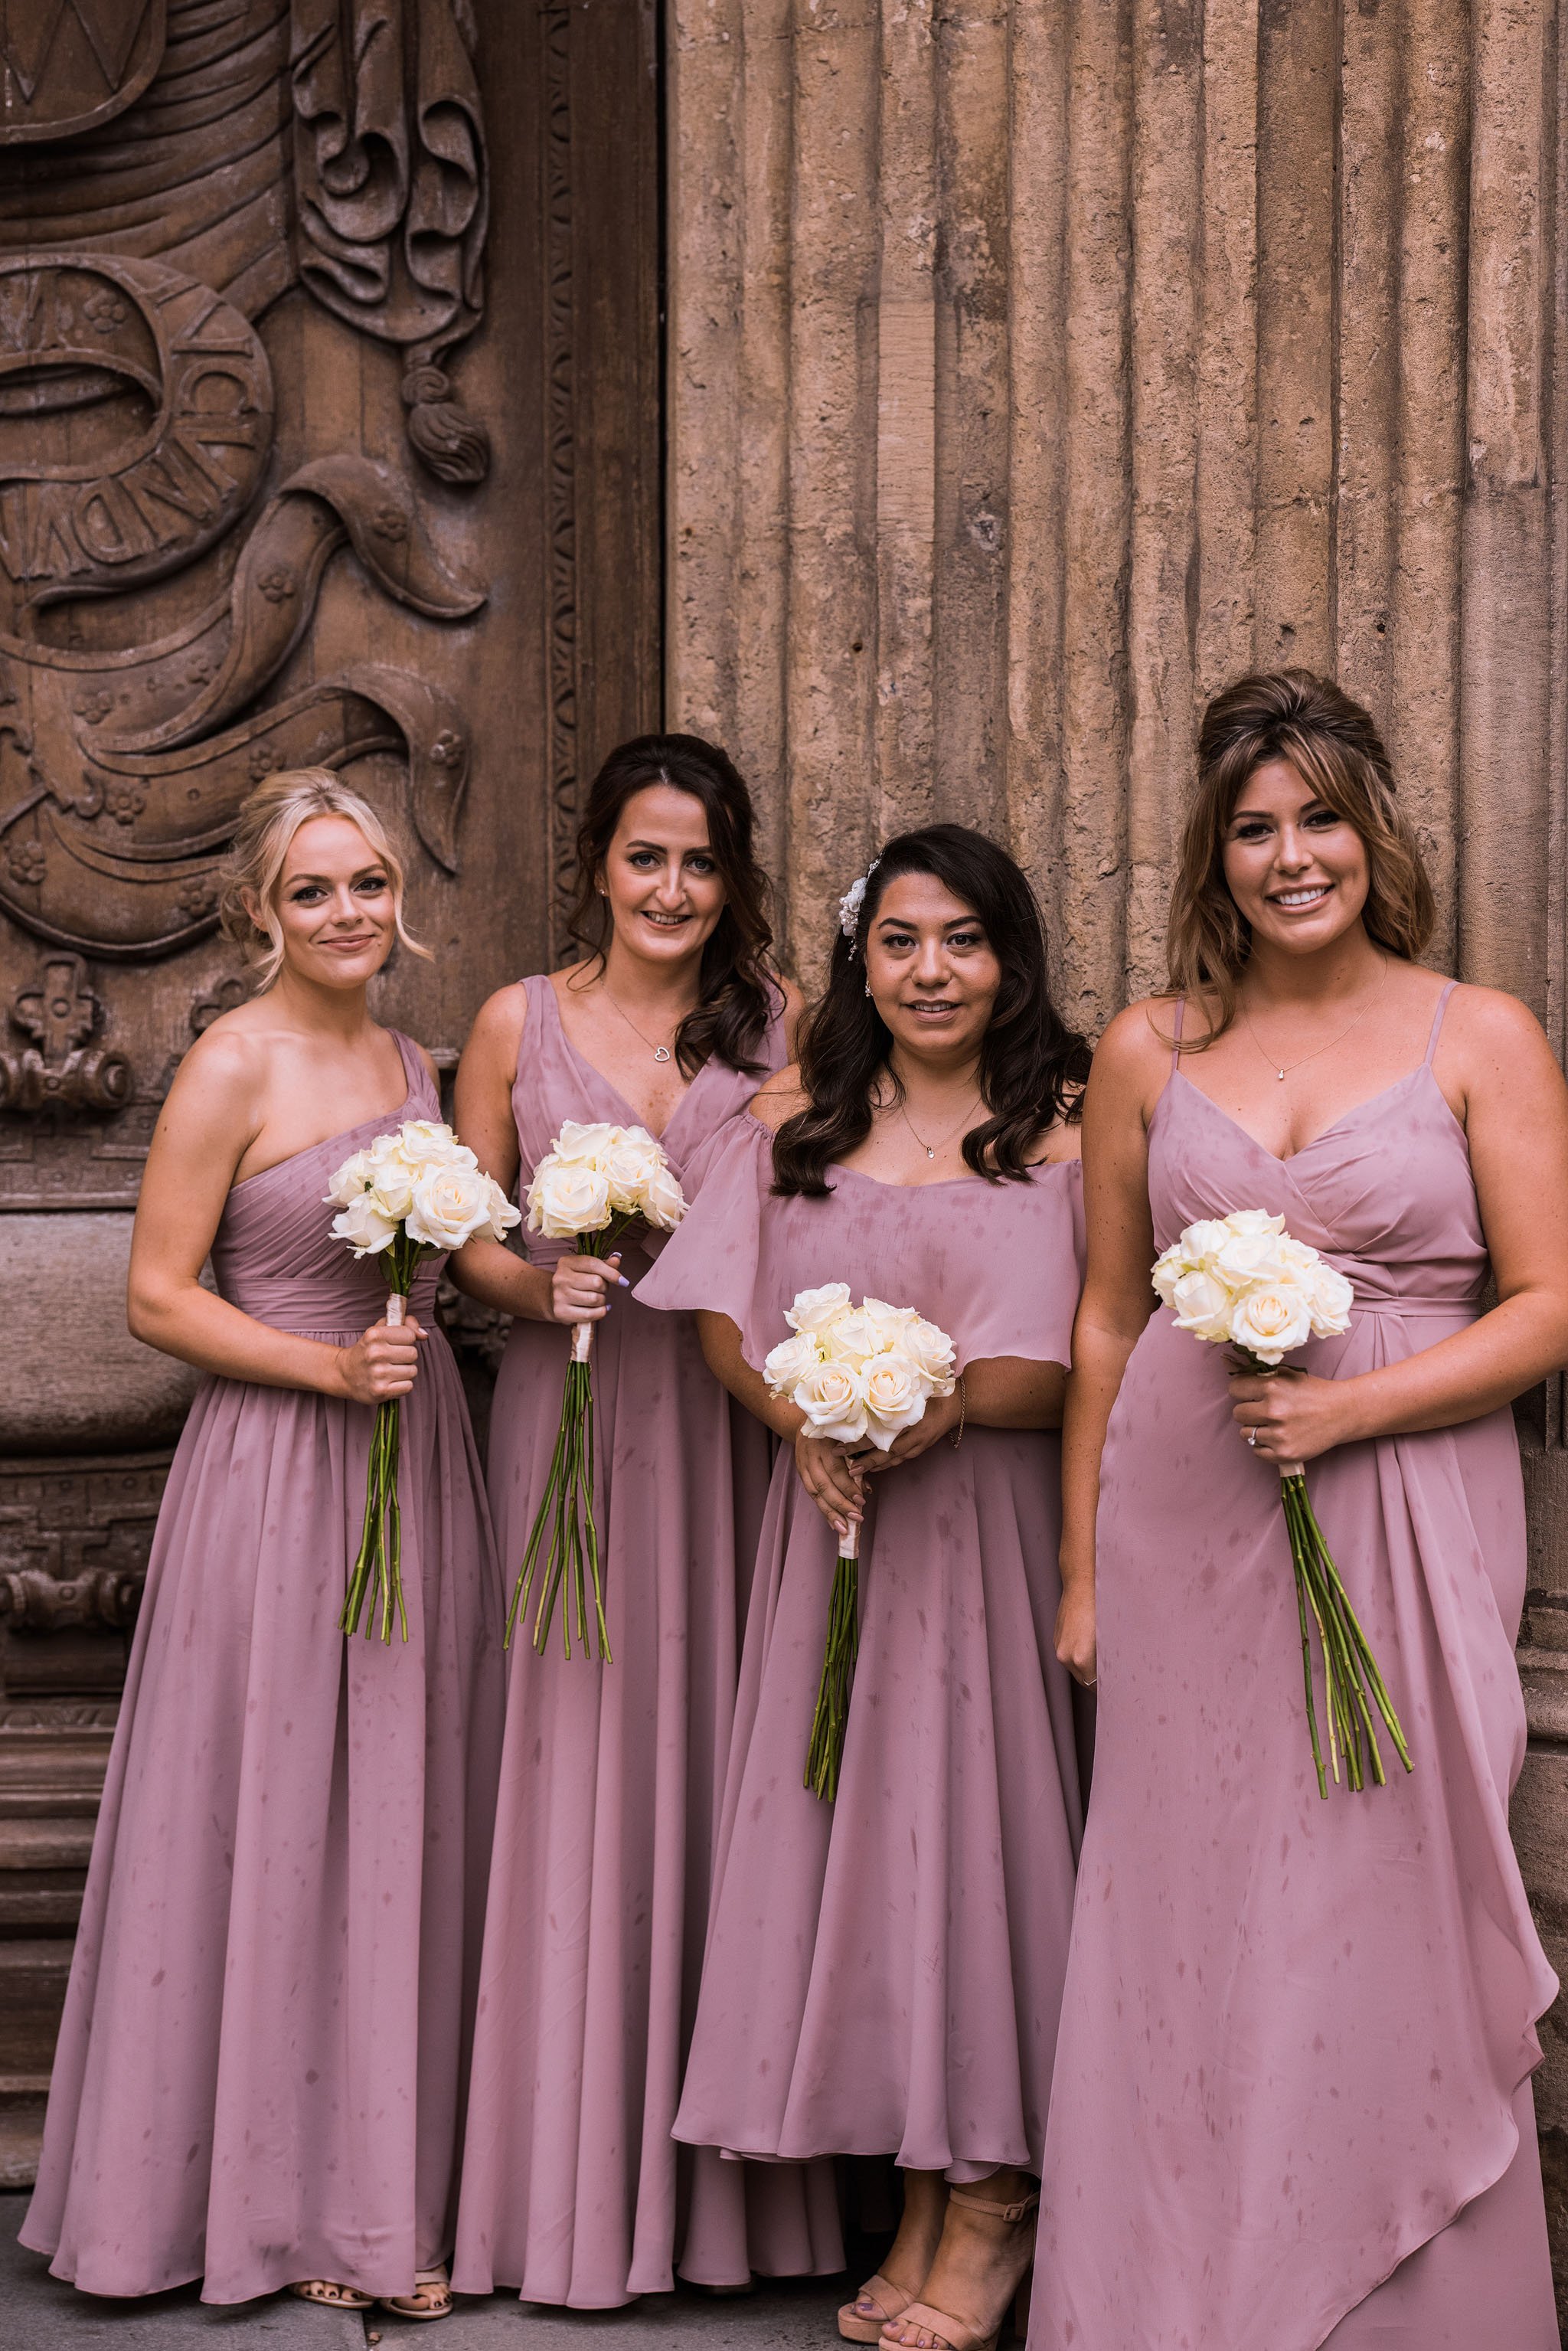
point(1418, 1309)
point(313, 1316)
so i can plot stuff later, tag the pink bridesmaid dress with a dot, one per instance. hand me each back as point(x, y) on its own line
point(573, 2190)
point(884, 1972)
point(1292, 2102)
point(260, 2069)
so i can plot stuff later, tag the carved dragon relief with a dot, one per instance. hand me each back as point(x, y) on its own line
point(121, 771)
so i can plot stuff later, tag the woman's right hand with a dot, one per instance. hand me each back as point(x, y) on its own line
point(832, 1479)
point(383, 1363)
point(580, 1288)
point(1075, 1632)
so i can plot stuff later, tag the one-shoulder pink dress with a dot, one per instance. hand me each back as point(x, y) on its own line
point(884, 1972)
point(1292, 2101)
point(573, 2190)
point(260, 2070)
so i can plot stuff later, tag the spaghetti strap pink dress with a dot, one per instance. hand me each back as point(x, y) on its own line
point(260, 2069)
point(573, 2190)
point(883, 1973)
point(1292, 2102)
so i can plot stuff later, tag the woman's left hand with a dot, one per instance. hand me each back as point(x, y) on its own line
point(940, 1416)
point(1294, 1416)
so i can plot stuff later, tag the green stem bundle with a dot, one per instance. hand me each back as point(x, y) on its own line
point(1353, 1684)
point(825, 1751)
point(375, 1580)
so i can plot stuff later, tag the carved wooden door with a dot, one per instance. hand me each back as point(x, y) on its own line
point(328, 433)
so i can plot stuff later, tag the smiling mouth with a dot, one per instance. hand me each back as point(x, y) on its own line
point(665, 922)
point(1295, 901)
point(926, 1011)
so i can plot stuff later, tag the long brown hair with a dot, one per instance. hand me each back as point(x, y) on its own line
point(1033, 1067)
point(1334, 746)
point(737, 991)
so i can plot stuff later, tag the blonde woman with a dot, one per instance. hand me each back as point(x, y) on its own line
point(259, 2076)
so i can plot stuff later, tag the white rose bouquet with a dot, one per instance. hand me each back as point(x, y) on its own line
point(1242, 1282)
point(408, 1196)
point(860, 1374)
point(592, 1183)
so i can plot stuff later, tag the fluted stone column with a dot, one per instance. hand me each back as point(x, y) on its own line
point(1037, 365)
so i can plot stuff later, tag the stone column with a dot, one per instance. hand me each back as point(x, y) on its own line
point(1036, 365)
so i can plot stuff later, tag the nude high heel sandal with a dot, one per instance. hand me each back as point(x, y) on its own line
point(939, 2329)
point(431, 2298)
point(887, 2303)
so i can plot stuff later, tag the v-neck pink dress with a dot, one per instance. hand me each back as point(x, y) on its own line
point(1292, 2105)
point(884, 1972)
point(573, 2190)
point(260, 2069)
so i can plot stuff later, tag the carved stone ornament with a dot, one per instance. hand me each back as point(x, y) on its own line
point(66, 66)
point(61, 1070)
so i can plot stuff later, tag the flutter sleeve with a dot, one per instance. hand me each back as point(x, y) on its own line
point(710, 1261)
point(1023, 1294)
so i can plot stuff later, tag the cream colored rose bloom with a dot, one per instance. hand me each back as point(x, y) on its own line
point(630, 1163)
point(581, 1142)
point(1203, 1306)
point(663, 1203)
point(1253, 1255)
point(788, 1363)
point(564, 1201)
point(363, 1226)
point(814, 1309)
point(892, 1323)
point(351, 1179)
point(450, 1206)
point(830, 1397)
point(429, 1143)
point(855, 1337)
point(894, 1398)
point(1269, 1322)
point(929, 1350)
point(1330, 1298)
point(503, 1215)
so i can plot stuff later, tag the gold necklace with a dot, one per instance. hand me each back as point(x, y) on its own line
point(1283, 1074)
point(660, 1052)
point(931, 1149)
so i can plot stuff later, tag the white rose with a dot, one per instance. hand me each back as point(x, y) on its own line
point(1269, 1321)
point(663, 1203)
point(578, 1142)
point(1252, 1257)
point(931, 1353)
point(894, 1398)
point(789, 1362)
point(630, 1163)
point(855, 1337)
point(564, 1201)
point(502, 1214)
point(830, 1396)
point(1252, 1221)
point(1202, 1305)
point(351, 1179)
point(450, 1206)
point(363, 1226)
point(891, 1323)
point(1330, 1298)
point(428, 1142)
point(814, 1309)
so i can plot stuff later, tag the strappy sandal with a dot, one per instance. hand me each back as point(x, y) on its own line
point(331, 2295)
point(887, 2303)
point(946, 2332)
point(431, 2298)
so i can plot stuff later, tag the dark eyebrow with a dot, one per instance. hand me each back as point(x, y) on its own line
point(377, 865)
point(699, 849)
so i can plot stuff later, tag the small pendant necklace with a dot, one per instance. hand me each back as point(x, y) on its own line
point(660, 1052)
point(931, 1149)
point(1283, 1074)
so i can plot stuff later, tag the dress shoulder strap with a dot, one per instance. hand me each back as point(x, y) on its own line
point(1437, 1020)
point(414, 1067)
point(1175, 1035)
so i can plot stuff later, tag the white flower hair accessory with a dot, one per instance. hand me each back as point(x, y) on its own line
point(852, 902)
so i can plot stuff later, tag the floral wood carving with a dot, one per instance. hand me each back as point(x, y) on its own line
point(61, 1069)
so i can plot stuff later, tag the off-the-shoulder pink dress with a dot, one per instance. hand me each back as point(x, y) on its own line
point(573, 2190)
point(1292, 2101)
point(260, 2070)
point(884, 1972)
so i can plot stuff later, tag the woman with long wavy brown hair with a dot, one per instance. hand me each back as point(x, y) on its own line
point(1291, 2106)
point(574, 2190)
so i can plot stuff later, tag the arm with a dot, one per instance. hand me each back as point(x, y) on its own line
point(1115, 1305)
point(993, 1392)
point(1516, 1118)
point(575, 1289)
point(203, 1131)
point(827, 1471)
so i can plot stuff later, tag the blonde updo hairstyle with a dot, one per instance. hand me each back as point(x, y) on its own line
point(269, 817)
point(1336, 749)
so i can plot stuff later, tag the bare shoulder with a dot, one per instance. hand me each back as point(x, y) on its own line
point(1139, 1042)
point(498, 1024)
point(228, 1061)
point(1488, 1023)
point(778, 1098)
point(1059, 1146)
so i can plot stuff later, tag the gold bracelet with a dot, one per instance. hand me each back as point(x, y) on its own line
point(957, 1435)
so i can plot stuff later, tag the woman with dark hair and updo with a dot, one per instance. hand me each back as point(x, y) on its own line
point(884, 1971)
point(573, 2190)
point(1291, 2105)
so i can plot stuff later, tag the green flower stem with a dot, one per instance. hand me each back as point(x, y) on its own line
point(375, 1580)
point(825, 1748)
point(1353, 1683)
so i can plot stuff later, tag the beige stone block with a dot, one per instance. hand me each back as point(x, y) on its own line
point(75, 1381)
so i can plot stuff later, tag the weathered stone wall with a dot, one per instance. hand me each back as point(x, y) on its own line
point(1034, 369)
